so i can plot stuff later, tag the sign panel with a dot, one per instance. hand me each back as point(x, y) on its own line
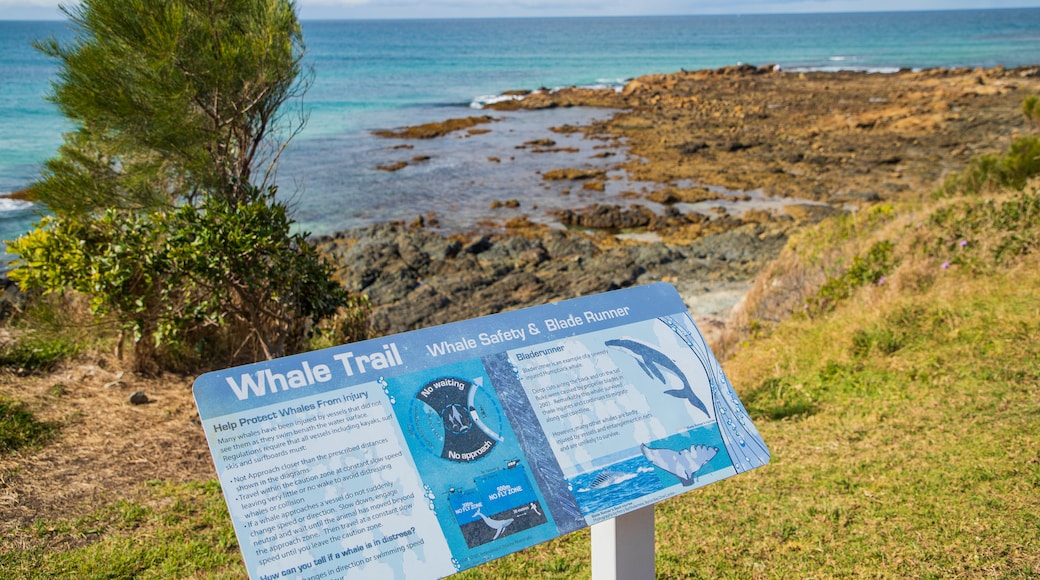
point(432, 451)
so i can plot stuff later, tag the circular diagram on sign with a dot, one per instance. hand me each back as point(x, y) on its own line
point(456, 419)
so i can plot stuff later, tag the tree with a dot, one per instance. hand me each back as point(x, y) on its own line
point(164, 213)
point(173, 99)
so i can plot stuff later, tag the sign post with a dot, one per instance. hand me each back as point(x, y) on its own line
point(623, 547)
point(429, 452)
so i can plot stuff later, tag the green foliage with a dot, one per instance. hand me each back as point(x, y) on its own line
point(20, 429)
point(1031, 109)
point(991, 173)
point(175, 531)
point(869, 268)
point(816, 243)
point(37, 352)
point(170, 98)
point(221, 282)
point(986, 233)
point(159, 216)
point(349, 324)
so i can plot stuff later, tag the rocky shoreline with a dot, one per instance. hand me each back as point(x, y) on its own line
point(826, 142)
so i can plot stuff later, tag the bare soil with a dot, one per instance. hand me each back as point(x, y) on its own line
point(105, 447)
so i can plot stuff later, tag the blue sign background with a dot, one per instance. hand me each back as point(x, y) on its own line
point(432, 451)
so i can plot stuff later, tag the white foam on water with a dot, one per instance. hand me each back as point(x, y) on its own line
point(8, 204)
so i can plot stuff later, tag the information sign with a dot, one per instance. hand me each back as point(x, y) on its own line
point(428, 452)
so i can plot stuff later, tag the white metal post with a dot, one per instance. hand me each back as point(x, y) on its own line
point(623, 548)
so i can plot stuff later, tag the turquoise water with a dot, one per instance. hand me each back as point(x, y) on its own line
point(384, 74)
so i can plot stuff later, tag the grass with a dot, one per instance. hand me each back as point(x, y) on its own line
point(905, 444)
point(909, 447)
point(19, 428)
point(172, 531)
point(32, 353)
point(45, 331)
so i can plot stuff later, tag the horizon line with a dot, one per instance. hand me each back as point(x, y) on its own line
point(57, 16)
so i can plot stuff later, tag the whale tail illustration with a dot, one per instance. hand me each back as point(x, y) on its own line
point(684, 463)
point(688, 394)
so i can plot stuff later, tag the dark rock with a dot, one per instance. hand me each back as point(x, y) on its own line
point(611, 217)
point(139, 398)
point(691, 147)
point(418, 278)
point(811, 213)
point(854, 196)
point(477, 245)
point(12, 298)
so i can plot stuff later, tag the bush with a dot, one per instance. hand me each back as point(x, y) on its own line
point(991, 173)
point(222, 282)
point(1031, 109)
point(162, 213)
point(870, 268)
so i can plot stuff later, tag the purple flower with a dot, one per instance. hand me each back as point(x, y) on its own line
point(963, 243)
point(945, 265)
point(881, 281)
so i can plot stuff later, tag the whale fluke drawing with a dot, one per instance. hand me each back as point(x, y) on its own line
point(682, 464)
point(655, 363)
point(498, 525)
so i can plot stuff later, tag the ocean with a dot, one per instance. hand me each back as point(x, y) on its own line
point(387, 74)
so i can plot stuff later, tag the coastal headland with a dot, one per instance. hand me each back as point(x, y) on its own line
point(740, 157)
point(902, 426)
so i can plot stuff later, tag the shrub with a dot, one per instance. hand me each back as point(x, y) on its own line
point(990, 173)
point(221, 282)
point(869, 268)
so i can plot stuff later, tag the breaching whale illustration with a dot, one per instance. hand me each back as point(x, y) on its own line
point(654, 363)
point(498, 525)
point(684, 463)
point(608, 478)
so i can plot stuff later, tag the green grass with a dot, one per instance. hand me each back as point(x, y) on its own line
point(172, 531)
point(36, 353)
point(19, 428)
point(904, 440)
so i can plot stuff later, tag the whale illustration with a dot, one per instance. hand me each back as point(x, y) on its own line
point(684, 463)
point(497, 525)
point(608, 478)
point(457, 423)
point(655, 363)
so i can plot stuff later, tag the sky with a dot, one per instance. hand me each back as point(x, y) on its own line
point(349, 9)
